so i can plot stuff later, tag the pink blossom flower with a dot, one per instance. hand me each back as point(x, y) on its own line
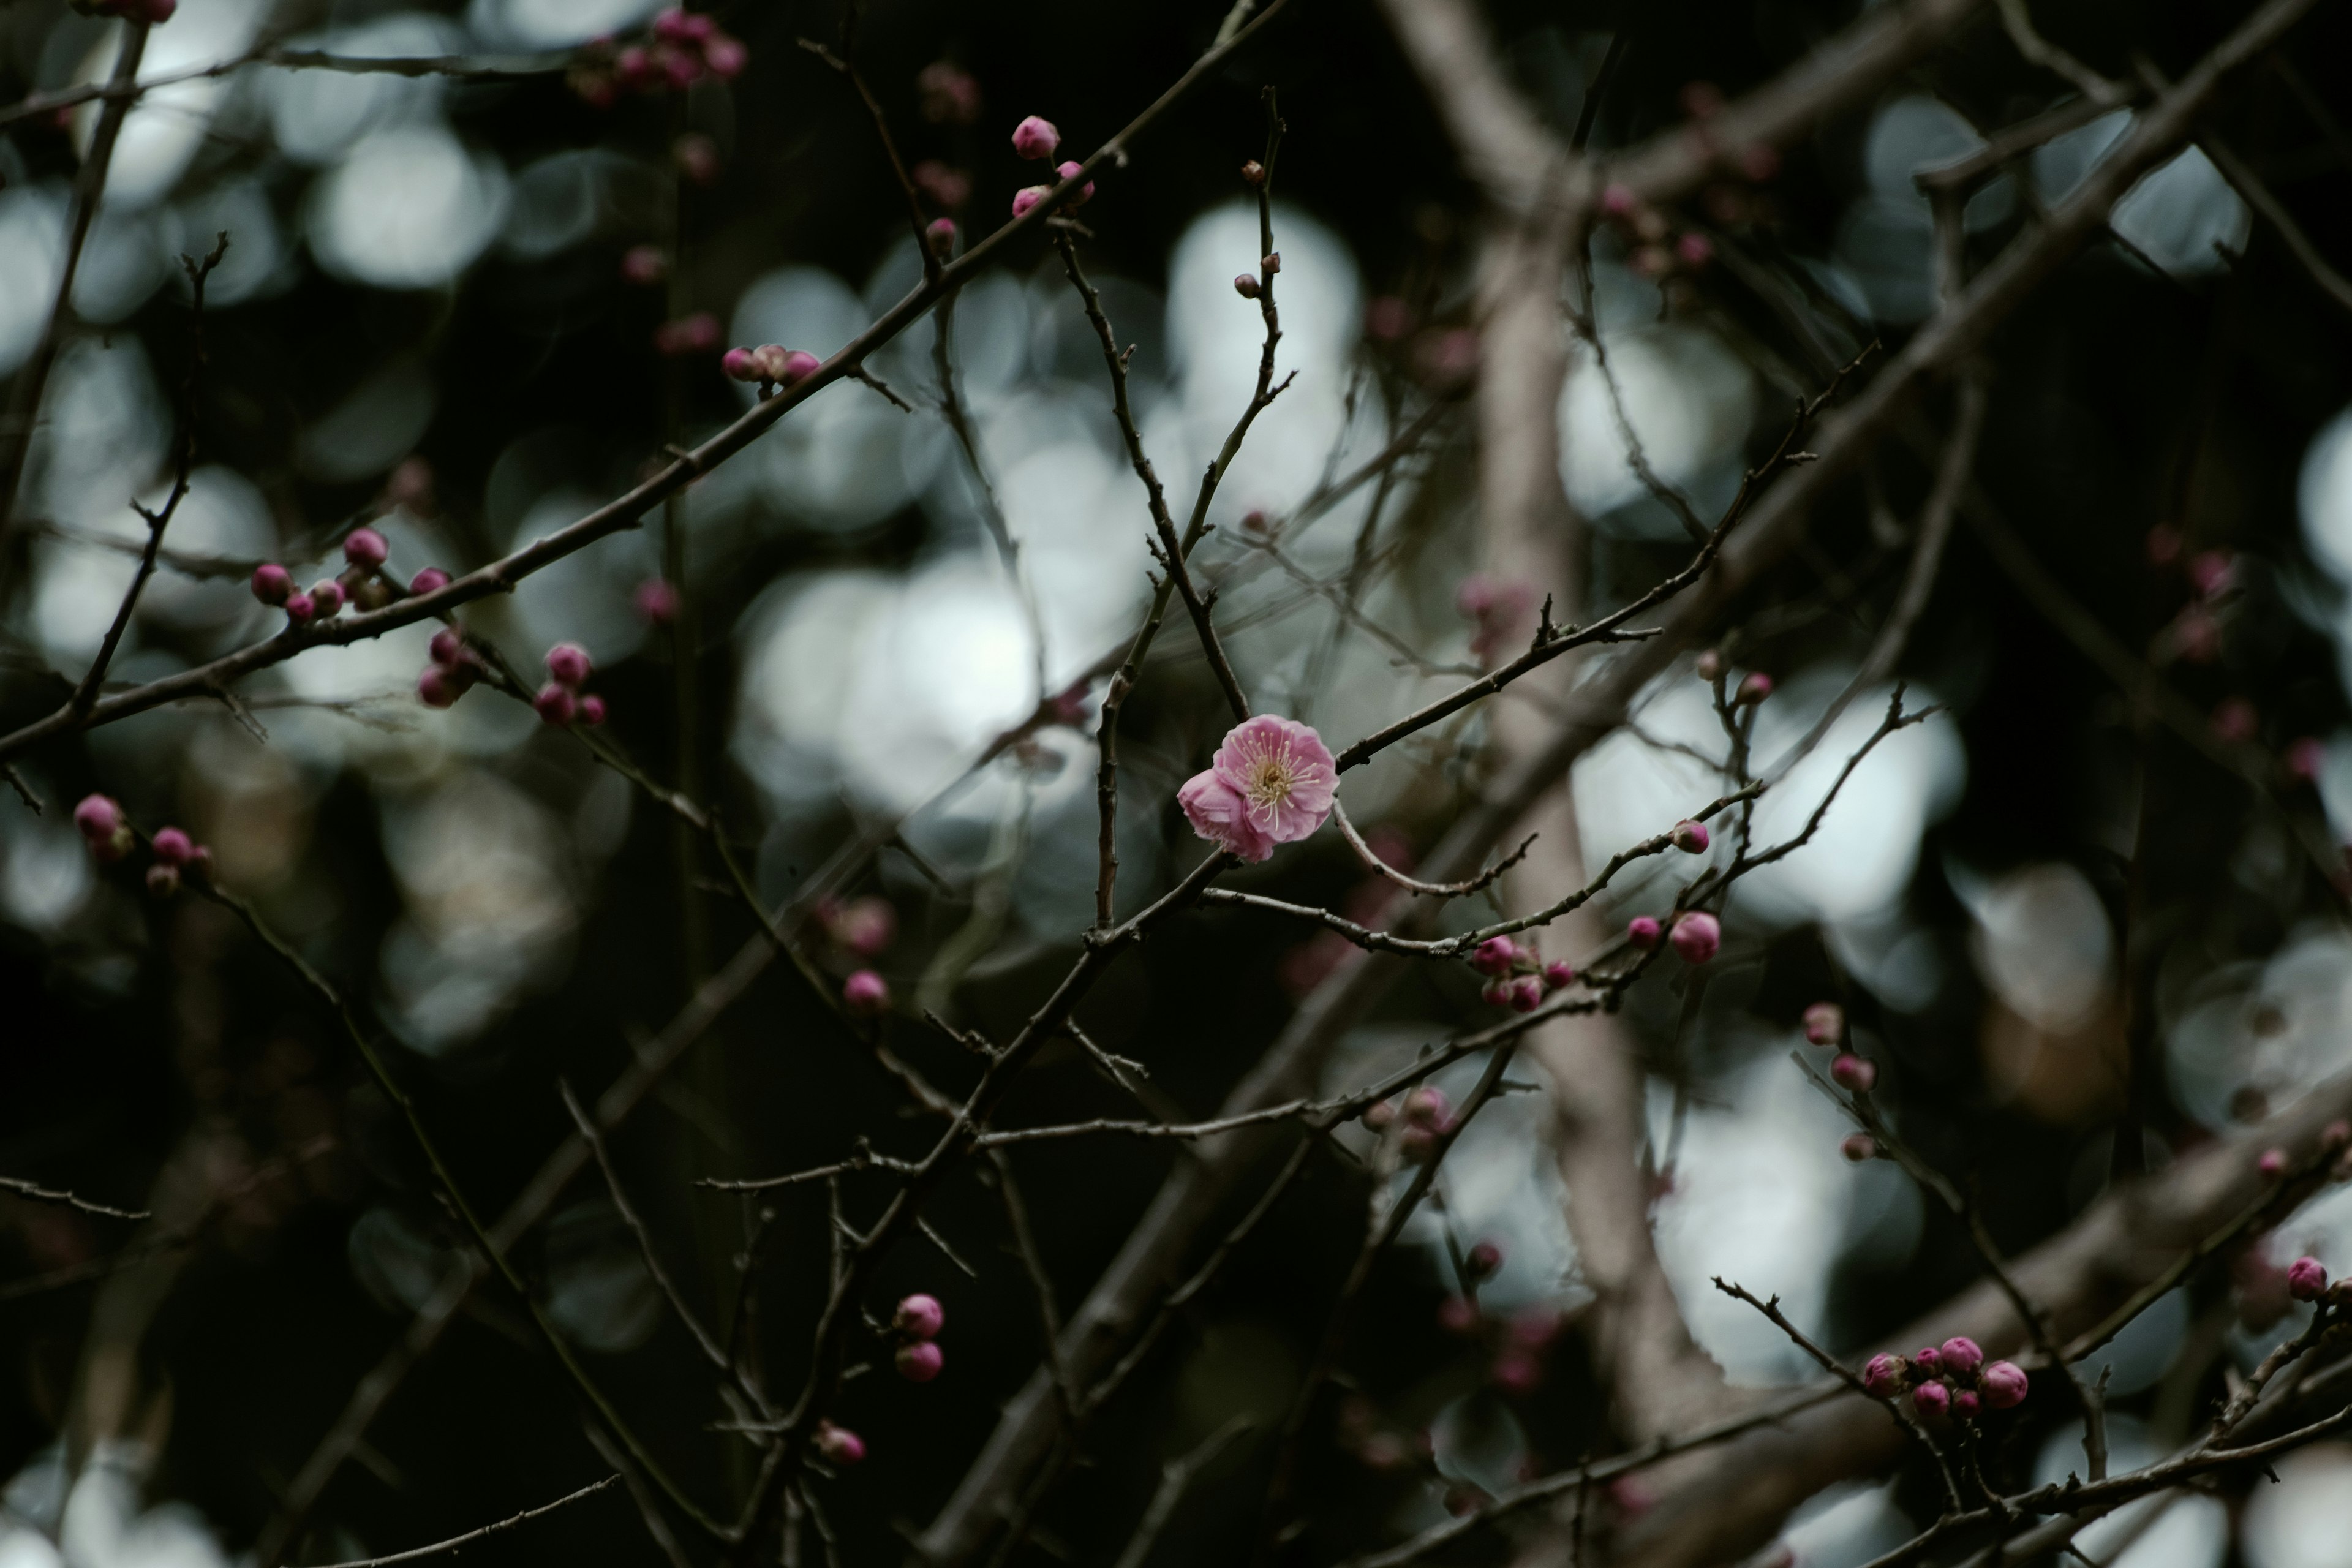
point(1754, 687)
point(921, 1361)
point(1698, 936)
point(1964, 1403)
point(298, 608)
point(1483, 1259)
point(1852, 1072)
point(1961, 1355)
point(1271, 782)
point(438, 687)
point(98, 816)
point(592, 709)
point(726, 57)
point(1930, 1361)
point(920, 1316)
point(447, 647)
point(162, 882)
point(1036, 139)
point(798, 367)
point(1427, 1107)
point(2003, 1384)
point(1619, 201)
point(940, 236)
point(741, 365)
point(272, 583)
point(1824, 1023)
point(327, 598)
point(365, 547)
point(2306, 1279)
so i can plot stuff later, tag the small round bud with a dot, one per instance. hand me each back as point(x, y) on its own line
point(920, 1316)
point(1253, 172)
point(1483, 1259)
point(327, 599)
point(695, 335)
point(1560, 974)
point(1036, 139)
point(940, 236)
point(2272, 1164)
point(1858, 1147)
point(1427, 1107)
point(1824, 1023)
point(592, 709)
point(438, 686)
point(568, 662)
point(866, 994)
point(99, 817)
point(1698, 936)
point(173, 846)
point(162, 882)
point(1931, 1399)
point(726, 57)
point(1245, 285)
point(1495, 956)
point(2306, 1279)
point(298, 608)
point(1754, 686)
point(1853, 1074)
point(798, 367)
point(1930, 1361)
point(1709, 664)
point(432, 580)
point(365, 547)
point(864, 926)
point(1379, 1114)
point(1960, 1356)
point(1080, 196)
point(838, 1445)
point(2003, 1385)
point(1964, 1403)
point(741, 365)
point(656, 600)
point(556, 703)
point(1690, 836)
point(1619, 201)
point(1270, 263)
point(921, 1361)
point(1026, 198)
point(1496, 993)
point(447, 647)
point(272, 583)
point(1643, 933)
point(1886, 1377)
point(1527, 994)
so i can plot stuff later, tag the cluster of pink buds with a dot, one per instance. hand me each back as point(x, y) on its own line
point(1947, 1380)
point(453, 672)
point(104, 829)
point(361, 582)
point(1696, 936)
point(1825, 1026)
point(1517, 977)
point(917, 1323)
point(1658, 250)
point(1426, 1115)
point(770, 365)
point(684, 47)
point(837, 1445)
point(561, 702)
point(149, 11)
point(108, 833)
point(1036, 140)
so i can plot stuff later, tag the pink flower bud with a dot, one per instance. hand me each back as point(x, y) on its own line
point(1858, 1147)
point(1078, 197)
point(1754, 686)
point(162, 882)
point(365, 547)
point(1709, 664)
point(1619, 201)
point(1495, 955)
point(592, 709)
point(726, 57)
point(1698, 936)
point(798, 366)
point(670, 26)
point(1533, 1328)
point(1853, 1073)
point(447, 647)
point(838, 1445)
point(2003, 1385)
point(656, 600)
point(1379, 1114)
point(1930, 1361)
point(432, 580)
point(1690, 836)
point(1560, 974)
point(644, 265)
point(2272, 1164)
point(1960, 1355)
point(99, 817)
point(1245, 285)
point(741, 365)
point(1036, 139)
point(567, 662)
point(1026, 198)
point(1482, 1258)
point(173, 846)
point(1527, 994)
point(298, 608)
point(683, 70)
point(864, 926)
point(556, 703)
point(272, 583)
point(438, 686)
point(940, 236)
point(1931, 1399)
point(1824, 1023)
point(1642, 932)
point(1426, 1107)
point(1496, 993)
point(1964, 1403)
point(327, 599)
point(866, 994)
point(921, 1361)
point(1516, 1372)
point(2306, 1280)
point(920, 1316)
point(1886, 1377)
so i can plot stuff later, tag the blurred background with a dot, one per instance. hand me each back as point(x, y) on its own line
point(465, 311)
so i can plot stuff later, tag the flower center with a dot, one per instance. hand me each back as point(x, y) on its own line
point(1271, 780)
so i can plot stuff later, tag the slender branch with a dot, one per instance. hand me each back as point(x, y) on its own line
point(2018, 23)
point(889, 150)
point(1041, 1284)
point(1381, 868)
point(457, 1542)
point(2263, 200)
point(1176, 1477)
point(24, 1189)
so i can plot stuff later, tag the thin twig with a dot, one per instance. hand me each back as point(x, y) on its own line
point(457, 1542)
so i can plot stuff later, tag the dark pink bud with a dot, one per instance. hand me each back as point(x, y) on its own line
point(1036, 139)
point(1483, 1259)
point(1619, 201)
point(1245, 285)
point(298, 608)
point(670, 26)
point(327, 599)
point(1931, 1399)
point(1698, 936)
point(1558, 975)
point(1026, 198)
point(726, 57)
point(432, 580)
point(173, 846)
point(921, 1361)
point(2272, 1164)
point(864, 926)
point(2306, 1280)
point(1642, 932)
point(1824, 1023)
point(920, 1316)
point(1495, 993)
point(656, 600)
point(1754, 687)
point(1527, 994)
point(592, 709)
point(99, 817)
point(940, 236)
point(162, 882)
point(556, 703)
point(1853, 1073)
point(1960, 1355)
point(866, 994)
point(568, 663)
point(644, 265)
point(742, 364)
point(798, 366)
point(447, 647)
point(1495, 955)
point(1858, 1147)
point(1884, 1376)
point(1930, 1361)
point(1516, 1372)
point(684, 70)
point(838, 1445)
point(438, 686)
point(272, 583)
point(2003, 1385)
point(1426, 1107)
point(1078, 197)
point(365, 547)
point(1964, 1403)
point(1690, 836)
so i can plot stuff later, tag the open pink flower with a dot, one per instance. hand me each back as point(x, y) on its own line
point(1271, 782)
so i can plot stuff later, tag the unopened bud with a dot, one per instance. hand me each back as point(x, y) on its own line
point(1245, 285)
point(272, 583)
point(1690, 836)
point(1824, 1023)
point(1858, 1147)
point(1754, 686)
point(1253, 172)
point(1855, 1074)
